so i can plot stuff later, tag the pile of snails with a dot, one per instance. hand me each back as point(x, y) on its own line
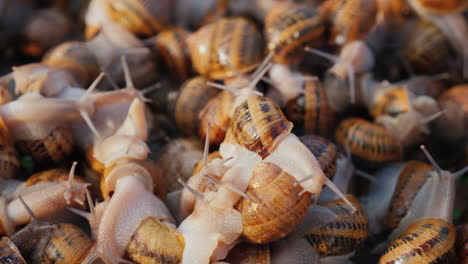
point(234, 131)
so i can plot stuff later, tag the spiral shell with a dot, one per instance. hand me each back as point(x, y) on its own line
point(342, 235)
point(324, 151)
point(155, 243)
point(52, 175)
point(441, 6)
point(276, 207)
point(194, 95)
point(289, 28)
point(428, 240)
point(258, 124)
point(229, 43)
point(54, 148)
point(75, 57)
point(171, 45)
point(245, 253)
point(371, 145)
point(410, 180)
point(67, 244)
point(142, 17)
point(9, 253)
point(311, 110)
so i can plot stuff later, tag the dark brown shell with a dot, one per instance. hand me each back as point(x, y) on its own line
point(258, 124)
point(342, 235)
point(442, 6)
point(276, 207)
point(172, 48)
point(428, 240)
point(9, 159)
point(155, 243)
point(75, 57)
point(235, 40)
point(324, 151)
point(311, 110)
point(142, 17)
point(410, 180)
point(54, 148)
point(453, 125)
point(217, 113)
point(245, 253)
point(194, 95)
point(9, 253)
point(371, 145)
point(289, 28)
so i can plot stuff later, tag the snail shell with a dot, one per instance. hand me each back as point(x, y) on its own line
point(342, 235)
point(75, 57)
point(441, 7)
point(155, 243)
point(428, 240)
point(245, 253)
point(258, 125)
point(9, 159)
point(54, 148)
point(411, 178)
point(5, 95)
point(141, 17)
point(311, 110)
point(9, 253)
point(324, 151)
point(194, 95)
point(277, 206)
point(171, 45)
point(234, 41)
point(370, 144)
point(289, 28)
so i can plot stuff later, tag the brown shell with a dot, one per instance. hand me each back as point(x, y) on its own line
point(54, 148)
point(324, 151)
point(410, 180)
point(194, 95)
point(427, 50)
point(453, 125)
point(392, 102)
point(5, 95)
point(428, 240)
point(52, 175)
point(155, 243)
point(245, 253)
point(351, 19)
point(311, 110)
point(342, 235)
point(370, 144)
point(9, 253)
point(9, 159)
point(276, 207)
point(236, 40)
point(142, 17)
point(217, 113)
point(289, 28)
point(258, 124)
point(171, 45)
point(67, 244)
point(75, 57)
point(442, 6)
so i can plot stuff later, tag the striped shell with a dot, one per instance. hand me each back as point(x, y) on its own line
point(194, 95)
point(155, 243)
point(392, 102)
point(441, 6)
point(245, 253)
point(428, 240)
point(342, 235)
point(324, 151)
point(411, 178)
point(258, 125)
point(217, 112)
point(371, 145)
point(311, 110)
point(9, 159)
point(171, 46)
point(54, 148)
point(67, 244)
point(289, 28)
point(276, 207)
point(75, 57)
point(234, 41)
point(9, 253)
point(142, 17)
point(351, 19)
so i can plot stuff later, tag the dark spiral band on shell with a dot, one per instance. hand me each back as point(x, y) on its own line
point(324, 151)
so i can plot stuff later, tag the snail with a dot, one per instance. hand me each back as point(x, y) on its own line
point(10, 162)
point(194, 14)
point(10, 253)
point(229, 43)
point(289, 28)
